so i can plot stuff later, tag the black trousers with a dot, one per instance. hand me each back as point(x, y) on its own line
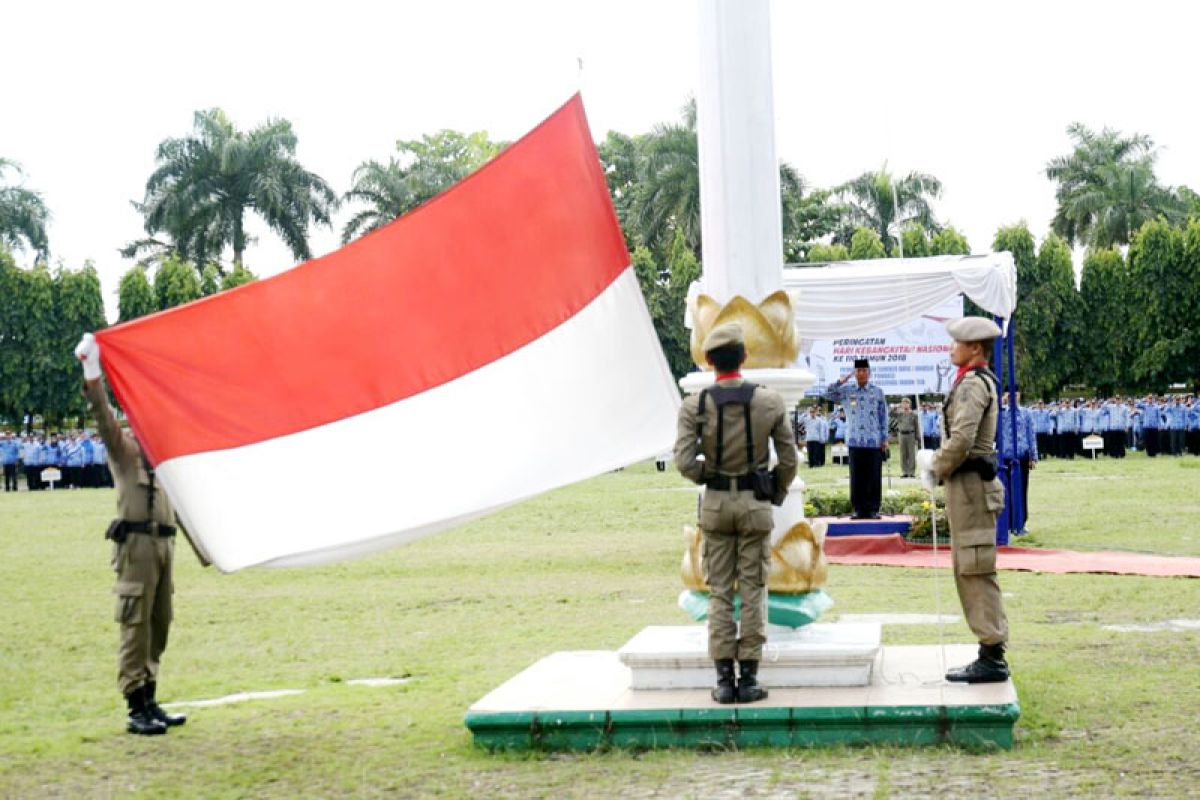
point(931, 442)
point(1193, 442)
point(32, 481)
point(816, 453)
point(866, 488)
point(1043, 443)
point(1151, 437)
point(10, 477)
point(1065, 449)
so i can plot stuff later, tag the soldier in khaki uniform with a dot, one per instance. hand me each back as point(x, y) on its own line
point(906, 432)
point(143, 552)
point(966, 464)
point(732, 424)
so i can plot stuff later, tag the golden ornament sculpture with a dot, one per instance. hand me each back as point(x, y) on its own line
point(797, 560)
point(769, 328)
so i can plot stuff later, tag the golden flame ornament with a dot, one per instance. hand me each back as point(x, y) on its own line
point(797, 560)
point(769, 328)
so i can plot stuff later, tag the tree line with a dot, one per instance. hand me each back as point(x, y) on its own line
point(1131, 323)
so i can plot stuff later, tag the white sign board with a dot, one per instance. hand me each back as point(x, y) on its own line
point(911, 359)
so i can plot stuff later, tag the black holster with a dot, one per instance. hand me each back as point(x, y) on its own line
point(984, 466)
point(763, 482)
point(116, 531)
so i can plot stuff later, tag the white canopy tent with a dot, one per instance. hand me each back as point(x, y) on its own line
point(856, 298)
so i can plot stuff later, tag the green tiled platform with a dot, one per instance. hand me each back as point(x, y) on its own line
point(582, 701)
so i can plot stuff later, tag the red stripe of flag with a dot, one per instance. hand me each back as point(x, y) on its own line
point(479, 271)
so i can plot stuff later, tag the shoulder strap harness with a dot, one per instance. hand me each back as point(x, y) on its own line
point(723, 396)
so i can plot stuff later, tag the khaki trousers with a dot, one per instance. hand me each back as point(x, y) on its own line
point(908, 453)
point(737, 557)
point(972, 506)
point(143, 589)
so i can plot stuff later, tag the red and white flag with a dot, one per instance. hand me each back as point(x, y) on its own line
point(486, 347)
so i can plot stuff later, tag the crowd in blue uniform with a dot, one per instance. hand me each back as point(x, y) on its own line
point(1155, 425)
point(80, 458)
point(1167, 425)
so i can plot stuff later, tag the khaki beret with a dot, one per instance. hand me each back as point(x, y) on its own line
point(724, 335)
point(972, 329)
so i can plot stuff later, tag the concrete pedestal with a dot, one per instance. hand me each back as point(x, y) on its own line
point(676, 656)
point(583, 700)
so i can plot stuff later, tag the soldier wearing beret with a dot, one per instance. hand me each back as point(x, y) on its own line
point(732, 423)
point(143, 555)
point(966, 464)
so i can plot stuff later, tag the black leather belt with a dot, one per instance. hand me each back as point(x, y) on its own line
point(724, 483)
point(153, 528)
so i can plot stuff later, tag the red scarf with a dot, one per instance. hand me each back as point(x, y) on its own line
point(725, 376)
point(965, 368)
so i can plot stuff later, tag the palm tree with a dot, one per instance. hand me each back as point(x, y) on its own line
point(204, 183)
point(878, 201)
point(1107, 188)
point(425, 168)
point(387, 191)
point(23, 215)
point(669, 194)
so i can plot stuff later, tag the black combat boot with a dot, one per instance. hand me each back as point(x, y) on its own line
point(990, 667)
point(725, 691)
point(156, 711)
point(140, 719)
point(748, 689)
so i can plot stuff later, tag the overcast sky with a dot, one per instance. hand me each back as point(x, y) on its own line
point(978, 94)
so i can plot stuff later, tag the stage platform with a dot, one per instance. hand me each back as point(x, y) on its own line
point(582, 700)
point(845, 526)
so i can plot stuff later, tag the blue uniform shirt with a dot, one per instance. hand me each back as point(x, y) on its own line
point(1151, 416)
point(1026, 436)
point(816, 429)
point(839, 428)
point(1194, 417)
point(10, 451)
point(1117, 417)
point(930, 424)
point(99, 452)
point(1176, 414)
point(72, 454)
point(31, 454)
point(866, 412)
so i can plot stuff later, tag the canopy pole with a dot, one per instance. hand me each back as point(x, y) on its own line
point(1010, 467)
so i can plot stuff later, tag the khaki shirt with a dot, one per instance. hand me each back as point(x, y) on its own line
point(769, 422)
point(127, 464)
point(906, 423)
point(969, 424)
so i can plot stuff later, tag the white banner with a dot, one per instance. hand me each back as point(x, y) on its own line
point(911, 359)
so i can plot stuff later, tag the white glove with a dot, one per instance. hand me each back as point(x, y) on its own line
point(925, 465)
point(88, 353)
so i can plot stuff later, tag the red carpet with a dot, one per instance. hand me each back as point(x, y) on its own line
point(893, 551)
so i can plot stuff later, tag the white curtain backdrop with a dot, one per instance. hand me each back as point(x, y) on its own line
point(857, 298)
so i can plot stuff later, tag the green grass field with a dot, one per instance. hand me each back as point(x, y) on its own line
point(1104, 713)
